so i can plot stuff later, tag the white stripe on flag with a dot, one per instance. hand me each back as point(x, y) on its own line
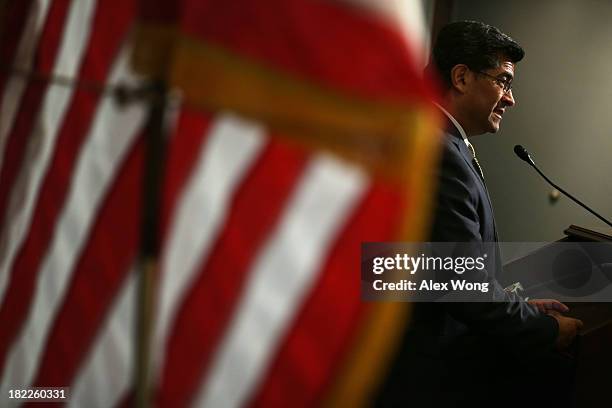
point(281, 278)
point(24, 58)
point(226, 157)
point(42, 141)
point(112, 134)
point(106, 374)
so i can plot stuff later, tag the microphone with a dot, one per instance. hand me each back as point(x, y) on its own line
point(523, 154)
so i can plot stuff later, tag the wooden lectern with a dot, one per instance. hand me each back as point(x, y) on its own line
point(593, 348)
point(594, 344)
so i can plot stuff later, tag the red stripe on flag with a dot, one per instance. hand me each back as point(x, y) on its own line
point(103, 266)
point(320, 40)
point(21, 132)
point(208, 306)
point(321, 334)
point(128, 400)
point(159, 11)
point(11, 32)
point(183, 151)
point(102, 49)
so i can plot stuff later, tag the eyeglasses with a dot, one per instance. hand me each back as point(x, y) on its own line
point(504, 83)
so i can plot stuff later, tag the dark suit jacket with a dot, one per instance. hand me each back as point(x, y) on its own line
point(452, 350)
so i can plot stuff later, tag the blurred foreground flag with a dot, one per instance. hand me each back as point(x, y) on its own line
point(304, 128)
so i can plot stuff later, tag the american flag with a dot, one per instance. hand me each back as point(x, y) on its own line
point(258, 287)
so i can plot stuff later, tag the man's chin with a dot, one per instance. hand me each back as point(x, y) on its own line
point(494, 125)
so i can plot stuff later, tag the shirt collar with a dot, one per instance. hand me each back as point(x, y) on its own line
point(457, 125)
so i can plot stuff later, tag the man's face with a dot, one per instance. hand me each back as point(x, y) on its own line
point(487, 100)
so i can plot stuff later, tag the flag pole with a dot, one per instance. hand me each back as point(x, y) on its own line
point(148, 264)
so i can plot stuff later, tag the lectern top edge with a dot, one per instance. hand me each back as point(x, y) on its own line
point(576, 233)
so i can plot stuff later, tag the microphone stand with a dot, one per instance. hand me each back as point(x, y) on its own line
point(549, 181)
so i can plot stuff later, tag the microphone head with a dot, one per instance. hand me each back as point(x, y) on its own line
point(523, 154)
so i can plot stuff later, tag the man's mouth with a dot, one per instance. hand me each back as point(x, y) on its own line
point(499, 112)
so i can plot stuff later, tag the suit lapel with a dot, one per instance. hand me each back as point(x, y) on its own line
point(467, 156)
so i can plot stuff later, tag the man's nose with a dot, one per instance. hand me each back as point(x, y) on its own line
point(508, 98)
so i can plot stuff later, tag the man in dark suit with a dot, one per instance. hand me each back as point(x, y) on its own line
point(465, 354)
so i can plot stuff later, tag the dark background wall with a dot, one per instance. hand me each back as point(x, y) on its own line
point(563, 115)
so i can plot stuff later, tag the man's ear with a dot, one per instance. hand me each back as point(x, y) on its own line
point(460, 77)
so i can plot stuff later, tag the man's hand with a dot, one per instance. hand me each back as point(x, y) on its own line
point(546, 305)
point(568, 328)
